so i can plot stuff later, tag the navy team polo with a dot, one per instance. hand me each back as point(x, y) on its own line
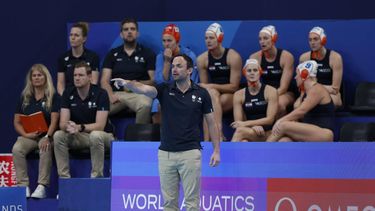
point(84, 111)
point(39, 105)
point(133, 67)
point(67, 62)
point(182, 115)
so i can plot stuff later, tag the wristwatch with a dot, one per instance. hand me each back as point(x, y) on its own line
point(82, 128)
point(48, 136)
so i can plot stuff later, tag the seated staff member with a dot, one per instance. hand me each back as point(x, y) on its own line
point(83, 123)
point(254, 107)
point(314, 106)
point(77, 53)
point(219, 72)
point(330, 65)
point(38, 95)
point(277, 66)
point(130, 61)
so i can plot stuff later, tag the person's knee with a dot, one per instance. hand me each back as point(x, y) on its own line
point(144, 103)
point(214, 93)
point(59, 136)
point(336, 100)
point(243, 133)
point(242, 130)
point(17, 149)
point(96, 138)
point(282, 107)
point(283, 127)
point(144, 107)
point(328, 135)
point(226, 99)
point(285, 139)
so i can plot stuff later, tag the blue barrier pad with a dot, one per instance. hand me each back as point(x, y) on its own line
point(84, 194)
point(13, 198)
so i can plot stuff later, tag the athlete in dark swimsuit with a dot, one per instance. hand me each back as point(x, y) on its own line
point(316, 110)
point(254, 106)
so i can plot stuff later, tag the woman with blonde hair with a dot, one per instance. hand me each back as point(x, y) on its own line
point(38, 95)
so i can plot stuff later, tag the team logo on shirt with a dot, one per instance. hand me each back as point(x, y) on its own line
point(91, 104)
point(256, 102)
point(248, 104)
point(324, 70)
point(66, 58)
point(71, 97)
point(139, 59)
point(117, 59)
point(261, 103)
point(196, 99)
point(43, 104)
point(276, 71)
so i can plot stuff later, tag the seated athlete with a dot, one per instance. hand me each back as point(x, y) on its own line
point(254, 107)
point(219, 72)
point(330, 67)
point(171, 43)
point(277, 66)
point(314, 106)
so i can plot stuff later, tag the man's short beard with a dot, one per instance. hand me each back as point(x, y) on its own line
point(130, 43)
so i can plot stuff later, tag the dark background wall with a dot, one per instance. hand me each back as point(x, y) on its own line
point(35, 31)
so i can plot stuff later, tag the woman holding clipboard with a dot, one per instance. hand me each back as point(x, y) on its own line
point(37, 97)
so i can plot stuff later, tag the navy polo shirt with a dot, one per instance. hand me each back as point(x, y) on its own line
point(67, 62)
point(84, 111)
point(133, 67)
point(182, 115)
point(39, 105)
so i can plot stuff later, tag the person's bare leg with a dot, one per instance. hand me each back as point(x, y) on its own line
point(285, 139)
point(284, 101)
point(226, 101)
point(299, 131)
point(156, 117)
point(337, 100)
point(246, 134)
point(218, 113)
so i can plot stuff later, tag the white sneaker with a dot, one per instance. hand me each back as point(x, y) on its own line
point(40, 192)
point(27, 192)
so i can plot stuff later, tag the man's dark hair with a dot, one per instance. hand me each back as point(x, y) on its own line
point(129, 20)
point(85, 65)
point(189, 61)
